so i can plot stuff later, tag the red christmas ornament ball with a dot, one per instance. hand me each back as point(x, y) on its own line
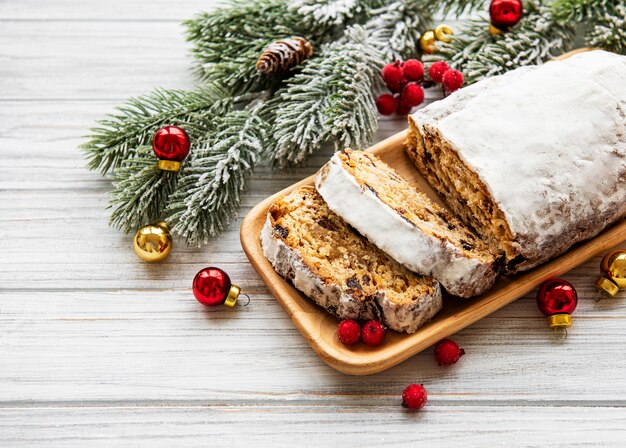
point(211, 286)
point(437, 69)
point(171, 143)
point(393, 77)
point(386, 104)
point(413, 95)
point(373, 333)
point(349, 331)
point(557, 297)
point(505, 14)
point(413, 70)
point(452, 80)
point(414, 396)
point(448, 352)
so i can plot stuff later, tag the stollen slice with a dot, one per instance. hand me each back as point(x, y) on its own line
point(340, 270)
point(406, 224)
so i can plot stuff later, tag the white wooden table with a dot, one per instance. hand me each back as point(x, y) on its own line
point(99, 349)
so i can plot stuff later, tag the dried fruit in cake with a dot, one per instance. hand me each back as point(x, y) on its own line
point(402, 221)
point(340, 270)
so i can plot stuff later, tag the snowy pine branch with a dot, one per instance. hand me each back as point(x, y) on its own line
point(315, 105)
point(609, 31)
point(335, 13)
point(604, 21)
point(535, 39)
point(395, 29)
point(457, 7)
point(208, 192)
point(140, 191)
point(227, 42)
point(118, 136)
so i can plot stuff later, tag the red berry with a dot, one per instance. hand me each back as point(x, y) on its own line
point(414, 396)
point(452, 80)
point(437, 70)
point(373, 333)
point(386, 104)
point(412, 95)
point(393, 77)
point(448, 352)
point(349, 332)
point(413, 70)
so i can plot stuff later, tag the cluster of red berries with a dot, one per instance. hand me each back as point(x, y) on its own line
point(403, 79)
point(440, 72)
point(372, 333)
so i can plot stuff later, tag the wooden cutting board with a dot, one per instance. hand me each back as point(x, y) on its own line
point(320, 329)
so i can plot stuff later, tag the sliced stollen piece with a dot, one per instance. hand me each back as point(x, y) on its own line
point(402, 221)
point(533, 160)
point(339, 269)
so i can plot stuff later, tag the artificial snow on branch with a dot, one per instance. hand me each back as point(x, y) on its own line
point(330, 99)
point(118, 137)
point(604, 21)
point(208, 192)
point(534, 40)
point(140, 191)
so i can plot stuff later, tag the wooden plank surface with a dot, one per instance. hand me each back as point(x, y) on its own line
point(98, 349)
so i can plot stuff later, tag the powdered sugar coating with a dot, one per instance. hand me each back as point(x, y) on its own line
point(549, 144)
point(420, 252)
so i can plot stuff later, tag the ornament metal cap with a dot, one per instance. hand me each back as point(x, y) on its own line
point(612, 274)
point(560, 321)
point(559, 324)
point(169, 165)
point(495, 31)
point(233, 295)
point(606, 288)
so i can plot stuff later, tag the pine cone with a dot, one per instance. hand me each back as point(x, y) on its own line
point(283, 55)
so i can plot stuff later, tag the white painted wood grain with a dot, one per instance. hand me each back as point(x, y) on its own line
point(359, 423)
point(98, 349)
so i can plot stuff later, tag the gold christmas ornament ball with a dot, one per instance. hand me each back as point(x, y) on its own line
point(613, 265)
point(153, 242)
point(443, 33)
point(427, 42)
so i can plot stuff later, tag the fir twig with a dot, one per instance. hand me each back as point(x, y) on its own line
point(228, 41)
point(456, 7)
point(117, 137)
point(313, 105)
point(395, 29)
point(140, 191)
point(534, 40)
point(208, 192)
point(604, 20)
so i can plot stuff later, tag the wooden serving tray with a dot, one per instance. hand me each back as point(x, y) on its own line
point(320, 329)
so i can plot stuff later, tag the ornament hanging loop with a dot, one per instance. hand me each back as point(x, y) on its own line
point(246, 301)
point(599, 296)
point(560, 333)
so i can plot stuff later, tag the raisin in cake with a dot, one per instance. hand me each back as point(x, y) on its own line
point(339, 269)
point(374, 199)
point(533, 160)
